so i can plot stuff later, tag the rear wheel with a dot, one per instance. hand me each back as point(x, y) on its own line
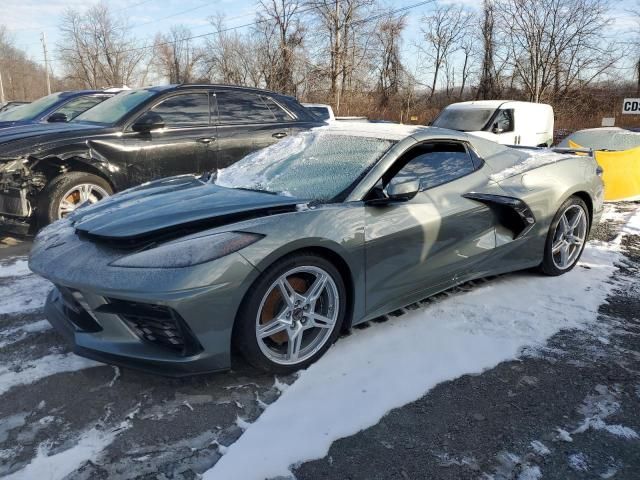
point(566, 238)
point(292, 315)
point(67, 192)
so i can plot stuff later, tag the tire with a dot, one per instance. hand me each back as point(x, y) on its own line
point(265, 301)
point(54, 193)
point(552, 263)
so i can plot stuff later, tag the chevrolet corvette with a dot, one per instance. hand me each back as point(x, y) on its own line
point(280, 252)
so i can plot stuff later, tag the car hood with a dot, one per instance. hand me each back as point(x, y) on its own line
point(32, 136)
point(179, 205)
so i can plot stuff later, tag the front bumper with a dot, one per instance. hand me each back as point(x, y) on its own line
point(131, 316)
point(118, 344)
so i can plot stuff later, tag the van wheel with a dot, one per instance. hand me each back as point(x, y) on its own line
point(67, 192)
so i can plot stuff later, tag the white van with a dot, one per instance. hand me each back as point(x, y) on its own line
point(503, 121)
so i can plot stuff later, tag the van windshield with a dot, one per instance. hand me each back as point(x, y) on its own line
point(464, 119)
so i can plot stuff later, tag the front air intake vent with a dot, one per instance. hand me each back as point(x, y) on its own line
point(155, 324)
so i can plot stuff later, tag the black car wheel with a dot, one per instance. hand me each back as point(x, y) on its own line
point(67, 192)
point(292, 314)
point(566, 238)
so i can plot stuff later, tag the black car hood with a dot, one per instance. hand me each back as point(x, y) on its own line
point(37, 134)
point(178, 205)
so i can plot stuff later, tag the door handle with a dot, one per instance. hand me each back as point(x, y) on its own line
point(206, 140)
point(279, 135)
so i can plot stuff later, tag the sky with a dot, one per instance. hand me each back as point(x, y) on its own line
point(27, 19)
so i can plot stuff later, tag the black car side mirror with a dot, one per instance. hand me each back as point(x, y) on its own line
point(57, 117)
point(147, 122)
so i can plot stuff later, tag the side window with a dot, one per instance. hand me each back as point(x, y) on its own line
point(239, 107)
point(438, 163)
point(187, 110)
point(504, 121)
point(278, 112)
point(79, 105)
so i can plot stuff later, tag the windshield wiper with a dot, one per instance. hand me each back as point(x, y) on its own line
point(256, 190)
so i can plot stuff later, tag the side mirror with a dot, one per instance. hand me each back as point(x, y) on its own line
point(496, 129)
point(402, 189)
point(57, 117)
point(147, 122)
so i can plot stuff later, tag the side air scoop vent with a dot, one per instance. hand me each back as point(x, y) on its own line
point(512, 213)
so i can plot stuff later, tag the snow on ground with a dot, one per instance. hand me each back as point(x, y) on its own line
point(25, 373)
point(391, 364)
point(18, 268)
point(58, 465)
point(21, 290)
point(15, 334)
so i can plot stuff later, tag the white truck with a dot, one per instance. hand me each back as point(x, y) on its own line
point(503, 121)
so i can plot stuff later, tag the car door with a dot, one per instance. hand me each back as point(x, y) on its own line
point(417, 247)
point(246, 123)
point(183, 146)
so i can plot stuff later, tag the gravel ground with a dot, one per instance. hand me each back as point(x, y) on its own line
point(566, 411)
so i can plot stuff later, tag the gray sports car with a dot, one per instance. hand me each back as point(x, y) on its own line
point(280, 252)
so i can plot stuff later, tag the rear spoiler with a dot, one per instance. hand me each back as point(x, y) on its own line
point(568, 151)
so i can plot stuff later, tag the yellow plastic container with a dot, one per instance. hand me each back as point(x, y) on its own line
point(621, 173)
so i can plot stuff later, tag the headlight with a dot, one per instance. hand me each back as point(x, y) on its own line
point(10, 166)
point(185, 253)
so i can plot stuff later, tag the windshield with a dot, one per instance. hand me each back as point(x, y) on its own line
point(113, 109)
point(464, 119)
point(30, 110)
point(313, 165)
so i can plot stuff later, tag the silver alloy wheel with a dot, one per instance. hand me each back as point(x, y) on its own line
point(569, 237)
point(306, 305)
point(76, 196)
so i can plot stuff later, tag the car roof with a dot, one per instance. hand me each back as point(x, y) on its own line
point(77, 93)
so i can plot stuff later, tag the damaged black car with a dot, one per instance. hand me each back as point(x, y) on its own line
point(49, 170)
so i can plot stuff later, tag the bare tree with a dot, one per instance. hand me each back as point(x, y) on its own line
point(342, 33)
point(555, 44)
point(231, 57)
point(487, 86)
point(175, 56)
point(443, 31)
point(97, 48)
point(283, 30)
point(22, 78)
point(467, 49)
point(388, 62)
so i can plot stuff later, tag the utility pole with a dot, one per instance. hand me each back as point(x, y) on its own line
point(1, 91)
point(43, 38)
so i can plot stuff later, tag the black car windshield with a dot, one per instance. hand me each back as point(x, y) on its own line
point(314, 165)
point(31, 110)
point(464, 119)
point(115, 108)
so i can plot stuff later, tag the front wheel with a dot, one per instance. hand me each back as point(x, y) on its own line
point(566, 238)
point(67, 192)
point(293, 313)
